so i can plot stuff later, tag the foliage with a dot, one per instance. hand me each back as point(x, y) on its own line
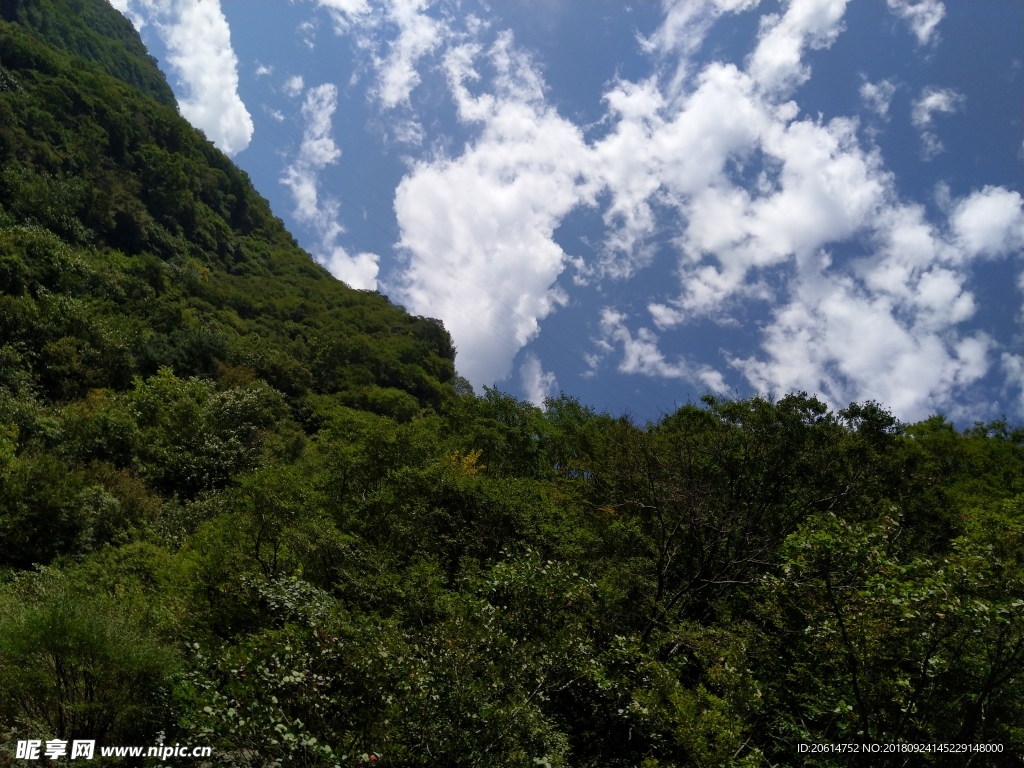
point(76, 663)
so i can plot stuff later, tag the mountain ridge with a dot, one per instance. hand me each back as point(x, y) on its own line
point(104, 168)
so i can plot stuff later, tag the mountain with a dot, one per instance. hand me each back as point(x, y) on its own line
point(89, 31)
point(247, 509)
point(157, 249)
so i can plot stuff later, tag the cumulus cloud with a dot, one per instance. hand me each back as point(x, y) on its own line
point(990, 222)
point(199, 51)
point(537, 383)
point(665, 316)
point(478, 227)
point(316, 152)
point(776, 63)
point(845, 343)
point(944, 100)
point(760, 195)
point(923, 16)
point(677, 151)
point(886, 328)
point(816, 183)
point(883, 329)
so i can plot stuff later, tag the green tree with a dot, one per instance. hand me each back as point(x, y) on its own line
point(75, 664)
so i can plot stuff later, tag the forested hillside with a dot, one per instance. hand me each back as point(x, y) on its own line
point(245, 506)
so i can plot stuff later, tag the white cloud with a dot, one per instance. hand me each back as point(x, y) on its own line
point(683, 30)
point(294, 85)
point(776, 63)
point(887, 325)
point(842, 342)
point(931, 145)
point(943, 100)
point(345, 13)
point(199, 51)
point(418, 35)
point(877, 96)
point(407, 132)
point(933, 100)
point(359, 271)
point(923, 16)
point(686, 24)
point(641, 355)
point(137, 19)
point(478, 227)
point(316, 152)
point(263, 69)
point(665, 317)
point(990, 222)
point(1013, 369)
point(537, 383)
point(658, 151)
point(816, 185)
point(677, 151)
point(307, 31)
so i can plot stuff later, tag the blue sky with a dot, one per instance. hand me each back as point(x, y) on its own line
point(639, 203)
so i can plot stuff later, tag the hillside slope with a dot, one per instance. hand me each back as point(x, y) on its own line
point(91, 32)
point(130, 243)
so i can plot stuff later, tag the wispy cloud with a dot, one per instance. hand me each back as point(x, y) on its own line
point(923, 16)
point(316, 152)
point(877, 96)
point(641, 355)
point(933, 100)
point(294, 86)
point(394, 58)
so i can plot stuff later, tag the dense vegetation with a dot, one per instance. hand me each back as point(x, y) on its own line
point(245, 506)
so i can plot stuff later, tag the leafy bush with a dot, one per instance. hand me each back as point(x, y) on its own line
point(80, 665)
